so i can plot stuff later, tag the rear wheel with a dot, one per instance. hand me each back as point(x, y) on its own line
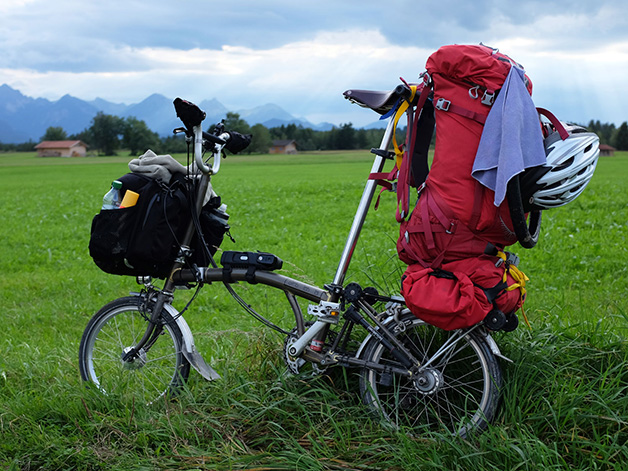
point(158, 370)
point(458, 391)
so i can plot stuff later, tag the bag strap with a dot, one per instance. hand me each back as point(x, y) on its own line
point(403, 192)
point(445, 105)
point(385, 179)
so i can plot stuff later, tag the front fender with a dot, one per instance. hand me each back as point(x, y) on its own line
point(189, 349)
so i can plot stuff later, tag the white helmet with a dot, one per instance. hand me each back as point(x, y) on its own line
point(570, 165)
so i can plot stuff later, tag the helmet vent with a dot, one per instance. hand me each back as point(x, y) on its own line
point(564, 165)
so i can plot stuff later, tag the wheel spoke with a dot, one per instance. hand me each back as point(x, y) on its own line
point(156, 370)
point(458, 391)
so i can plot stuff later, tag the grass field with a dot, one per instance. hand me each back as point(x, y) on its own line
point(565, 396)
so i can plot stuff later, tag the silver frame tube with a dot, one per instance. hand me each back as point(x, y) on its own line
point(363, 207)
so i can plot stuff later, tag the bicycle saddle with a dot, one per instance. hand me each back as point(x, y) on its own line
point(379, 101)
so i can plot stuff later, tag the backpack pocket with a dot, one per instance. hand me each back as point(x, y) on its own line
point(448, 300)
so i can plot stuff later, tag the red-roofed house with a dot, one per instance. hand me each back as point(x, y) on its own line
point(61, 149)
point(607, 150)
point(287, 146)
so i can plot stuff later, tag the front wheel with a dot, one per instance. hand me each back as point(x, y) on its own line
point(157, 370)
point(455, 389)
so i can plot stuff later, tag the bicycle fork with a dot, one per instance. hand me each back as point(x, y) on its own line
point(153, 329)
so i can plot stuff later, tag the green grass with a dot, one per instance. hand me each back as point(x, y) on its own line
point(565, 403)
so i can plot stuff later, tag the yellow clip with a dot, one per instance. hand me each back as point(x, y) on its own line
point(400, 111)
point(520, 281)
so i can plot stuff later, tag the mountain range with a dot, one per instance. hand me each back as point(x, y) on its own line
point(24, 118)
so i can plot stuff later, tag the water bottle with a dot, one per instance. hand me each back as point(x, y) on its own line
point(112, 199)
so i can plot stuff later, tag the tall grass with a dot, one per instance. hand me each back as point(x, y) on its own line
point(565, 404)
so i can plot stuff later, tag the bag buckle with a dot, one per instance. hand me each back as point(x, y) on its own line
point(443, 105)
point(488, 98)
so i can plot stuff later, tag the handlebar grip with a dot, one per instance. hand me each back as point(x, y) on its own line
point(214, 139)
point(238, 142)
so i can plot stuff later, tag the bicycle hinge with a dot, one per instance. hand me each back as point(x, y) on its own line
point(325, 311)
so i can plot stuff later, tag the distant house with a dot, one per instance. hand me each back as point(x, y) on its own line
point(283, 147)
point(61, 149)
point(606, 150)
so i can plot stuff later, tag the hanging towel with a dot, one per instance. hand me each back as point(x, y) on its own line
point(511, 140)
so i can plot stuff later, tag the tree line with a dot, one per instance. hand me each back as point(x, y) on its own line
point(109, 134)
point(610, 135)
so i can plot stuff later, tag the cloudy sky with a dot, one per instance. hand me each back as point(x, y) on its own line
point(302, 55)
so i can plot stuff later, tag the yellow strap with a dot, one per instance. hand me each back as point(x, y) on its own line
point(400, 111)
point(520, 281)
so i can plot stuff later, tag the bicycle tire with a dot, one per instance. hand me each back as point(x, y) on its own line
point(160, 371)
point(459, 392)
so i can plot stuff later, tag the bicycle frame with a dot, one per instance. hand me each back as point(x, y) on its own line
point(363, 207)
point(411, 373)
point(291, 287)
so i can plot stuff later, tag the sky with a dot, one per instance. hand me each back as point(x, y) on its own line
point(301, 55)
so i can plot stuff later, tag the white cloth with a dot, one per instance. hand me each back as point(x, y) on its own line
point(163, 167)
point(159, 167)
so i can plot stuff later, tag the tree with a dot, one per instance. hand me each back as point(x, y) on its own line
point(345, 137)
point(621, 137)
point(105, 133)
point(55, 133)
point(173, 145)
point(261, 141)
point(233, 122)
point(137, 137)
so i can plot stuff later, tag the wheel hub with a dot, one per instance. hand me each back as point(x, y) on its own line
point(136, 363)
point(428, 381)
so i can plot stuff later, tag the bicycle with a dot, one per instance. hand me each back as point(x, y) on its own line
point(412, 375)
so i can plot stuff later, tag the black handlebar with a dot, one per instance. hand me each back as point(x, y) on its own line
point(214, 139)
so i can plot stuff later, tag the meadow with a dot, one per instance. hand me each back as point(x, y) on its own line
point(565, 402)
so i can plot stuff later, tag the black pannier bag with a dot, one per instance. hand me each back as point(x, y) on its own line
point(144, 239)
point(214, 225)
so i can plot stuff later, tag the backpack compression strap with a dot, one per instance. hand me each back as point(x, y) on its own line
point(385, 179)
point(403, 154)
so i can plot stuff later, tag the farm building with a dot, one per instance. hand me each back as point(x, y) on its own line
point(607, 150)
point(61, 149)
point(283, 147)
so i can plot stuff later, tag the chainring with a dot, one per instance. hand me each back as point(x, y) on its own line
point(296, 365)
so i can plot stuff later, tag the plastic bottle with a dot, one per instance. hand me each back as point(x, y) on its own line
point(112, 199)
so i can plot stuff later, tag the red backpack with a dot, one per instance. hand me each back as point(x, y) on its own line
point(455, 216)
point(451, 282)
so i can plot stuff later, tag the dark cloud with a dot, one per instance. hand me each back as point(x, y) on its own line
point(73, 35)
point(77, 40)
